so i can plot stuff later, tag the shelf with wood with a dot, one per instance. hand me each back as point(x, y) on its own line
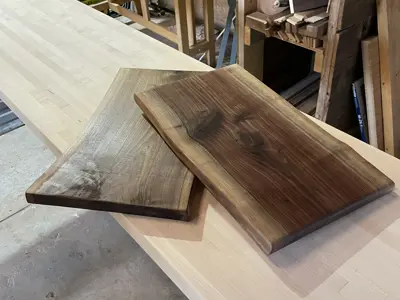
point(306, 30)
point(333, 34)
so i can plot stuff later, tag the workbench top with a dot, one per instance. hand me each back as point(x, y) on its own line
point(58, 58)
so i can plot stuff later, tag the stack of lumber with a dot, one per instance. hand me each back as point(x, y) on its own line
point(304, 94)
point(262, 159)
point(381, 66)
point(306, 28)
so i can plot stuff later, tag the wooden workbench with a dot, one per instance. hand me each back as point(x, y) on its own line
point(57, 59)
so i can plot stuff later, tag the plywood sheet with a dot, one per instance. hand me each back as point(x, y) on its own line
point(120, 163)
point(273, 169)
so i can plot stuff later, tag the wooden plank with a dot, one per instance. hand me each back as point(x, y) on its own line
point(200, 47)
point(317, 30)
point(181, 26)
point(101, 6)
point(373, 95)
point(304, 94)
point(191, 22)
point(389, 47)
point(302, 5)
point(208, 14)
point(317, 18)
point(145, 9)
point(104, 6)
point(309, 105)
point(301, 85)
point(303, 15)
point(252, 37)
point(138, 6)
point(115, 164)
point(318, 62)
point(277, 173)
point(258, 21)
point(341, 55)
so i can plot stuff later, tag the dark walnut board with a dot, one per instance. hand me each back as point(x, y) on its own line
point(120, 163)
point(278, 173)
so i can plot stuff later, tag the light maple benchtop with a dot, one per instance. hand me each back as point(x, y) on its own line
point(58, 58)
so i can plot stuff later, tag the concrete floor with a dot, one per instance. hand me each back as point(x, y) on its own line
point(62, 253)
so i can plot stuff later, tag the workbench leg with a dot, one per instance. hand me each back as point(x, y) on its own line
point(138, 7)
point(191, 20)
point(208, 6)
point(251, 57)
point(145, 9)
point(181, 26)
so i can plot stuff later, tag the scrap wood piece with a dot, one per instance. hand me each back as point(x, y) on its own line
point(373, 95)
point(309, 13)
point(389, 45)
point(278, 173)
point(317, 18)
point(316, 30)
point(120, 163)
point(282, 19)
point(294, 20)
point(258, 21)
point(264, 23)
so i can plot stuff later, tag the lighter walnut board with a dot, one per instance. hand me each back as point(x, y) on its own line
point(279, 174)
point(120, 163)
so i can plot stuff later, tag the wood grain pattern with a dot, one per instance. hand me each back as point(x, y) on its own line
point(278, 174)
point(373, 94)
point(120, 163)
point(389, 47)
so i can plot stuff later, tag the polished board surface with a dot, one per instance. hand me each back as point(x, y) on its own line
point(274, 170)
point(120, 163)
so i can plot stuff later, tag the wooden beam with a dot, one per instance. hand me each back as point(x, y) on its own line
point(258, 21)
point(103, 6)
point(148, 24)
point(181, 26)
point(389, 47)
point(199, 47)
point(318, 61)
point(373, 95)
point(249, 57)
point(252, 37)
point(138, 7)
point(191, 22)
point(145, 9)
point(208, 13)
